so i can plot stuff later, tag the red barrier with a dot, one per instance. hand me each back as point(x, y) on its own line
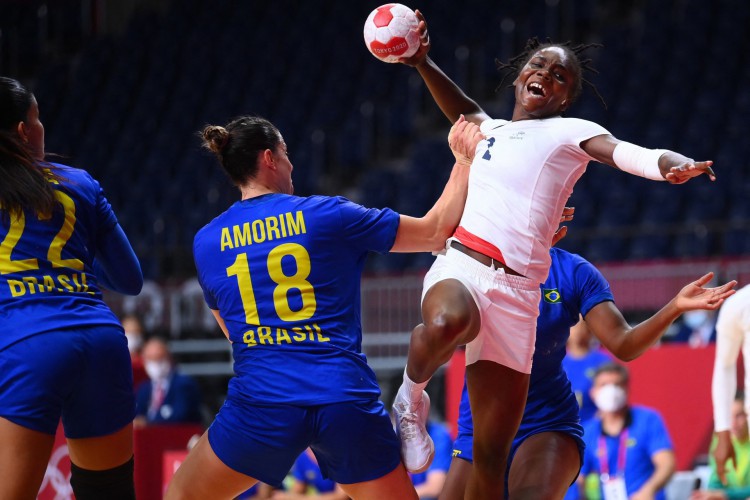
point(673, 378)
point(149, 445)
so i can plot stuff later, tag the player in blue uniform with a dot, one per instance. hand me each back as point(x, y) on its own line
point(63, 353)
point(547, 451)
point(282, 275)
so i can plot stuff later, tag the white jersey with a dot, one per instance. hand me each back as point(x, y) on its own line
point(522, 175)
point(732, 334)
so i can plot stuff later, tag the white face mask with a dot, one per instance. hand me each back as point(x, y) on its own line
point(694, 319)
point(157, 370)
point(134, 341)
point(610, 398)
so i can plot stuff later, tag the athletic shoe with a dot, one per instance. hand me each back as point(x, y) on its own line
point(417, 448)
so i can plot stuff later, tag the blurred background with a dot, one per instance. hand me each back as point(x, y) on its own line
point(124, 86)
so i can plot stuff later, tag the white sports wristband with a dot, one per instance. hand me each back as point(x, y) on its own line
point(638, 161)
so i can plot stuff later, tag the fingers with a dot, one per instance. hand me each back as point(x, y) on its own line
point(704, 279)
point(463, 139)
point(567, 214)
point(721, 472)
point(685, 172)
point(561, 232)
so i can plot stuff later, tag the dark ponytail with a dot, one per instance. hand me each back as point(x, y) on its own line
point(24, 182)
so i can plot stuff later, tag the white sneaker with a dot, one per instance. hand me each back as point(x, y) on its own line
point(417, 448)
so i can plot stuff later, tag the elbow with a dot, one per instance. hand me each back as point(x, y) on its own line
point(624, 353)
point(134, 288)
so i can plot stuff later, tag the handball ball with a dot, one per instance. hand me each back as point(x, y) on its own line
point(391, 32)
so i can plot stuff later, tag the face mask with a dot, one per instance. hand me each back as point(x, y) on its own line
point(134, 341)
point(157, 370)
point(694, 319)
point(610, 398)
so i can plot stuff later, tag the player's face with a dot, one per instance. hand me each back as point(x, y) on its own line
point(33, 131)
point(609, 378)
point(544, 84)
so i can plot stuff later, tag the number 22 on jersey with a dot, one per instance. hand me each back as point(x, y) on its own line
point(54, 253)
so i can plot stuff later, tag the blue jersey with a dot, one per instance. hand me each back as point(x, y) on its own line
point(573, 286)
point(46, 266)
point(284, 272)
point(647, 435)
point(581, 371)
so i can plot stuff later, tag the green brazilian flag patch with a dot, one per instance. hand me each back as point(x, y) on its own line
point(551, 295)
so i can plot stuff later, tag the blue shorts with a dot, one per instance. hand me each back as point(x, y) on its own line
point(83, 375)
point(353, 441)
point(462, 446)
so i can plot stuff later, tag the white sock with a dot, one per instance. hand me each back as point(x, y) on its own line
point(412, 390)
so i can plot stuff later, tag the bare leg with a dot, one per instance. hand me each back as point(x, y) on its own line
point(102, 453)
point(203, 475)
point(498, 396)
point(544, 467)
point(395, 484)
point(24, 454)
point(455, 483)
point(451, 318)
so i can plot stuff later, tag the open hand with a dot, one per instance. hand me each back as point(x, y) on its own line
point(683, 173)
point(695, 296)
point(723, 454)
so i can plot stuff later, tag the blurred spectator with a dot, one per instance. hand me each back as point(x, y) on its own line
point(629, 453)
point(309, 482)
point(696, 328)
point(134, 333)
point(732, 334)
point(581, 360)
point(168, 397)
point(737, 477)
point(430, 483)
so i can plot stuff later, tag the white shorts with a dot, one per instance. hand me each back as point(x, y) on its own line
point(508, 308)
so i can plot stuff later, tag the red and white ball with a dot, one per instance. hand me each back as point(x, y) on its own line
point(391, 32)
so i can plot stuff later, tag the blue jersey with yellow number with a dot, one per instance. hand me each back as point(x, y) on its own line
point(284, 273)
point(46, 278)
point(573, 286)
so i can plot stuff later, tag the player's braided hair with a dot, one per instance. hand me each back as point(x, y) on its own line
point(580, 64)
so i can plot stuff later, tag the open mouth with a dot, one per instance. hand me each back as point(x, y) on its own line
point(536, 89)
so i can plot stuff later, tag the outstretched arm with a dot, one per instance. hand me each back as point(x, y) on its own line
point(723, 388)
point(449, 97)
point(657, 164)
point(627, 343)
point(428, 233)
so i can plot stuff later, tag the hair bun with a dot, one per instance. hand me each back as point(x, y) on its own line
point(215, 138)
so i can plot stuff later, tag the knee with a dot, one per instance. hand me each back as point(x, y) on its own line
point(448, 323)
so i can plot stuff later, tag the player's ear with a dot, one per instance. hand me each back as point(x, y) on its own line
point(21, 129)
point(268, 157)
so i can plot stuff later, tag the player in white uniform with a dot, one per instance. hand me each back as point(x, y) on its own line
point(484, 292)
point(732, 333)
